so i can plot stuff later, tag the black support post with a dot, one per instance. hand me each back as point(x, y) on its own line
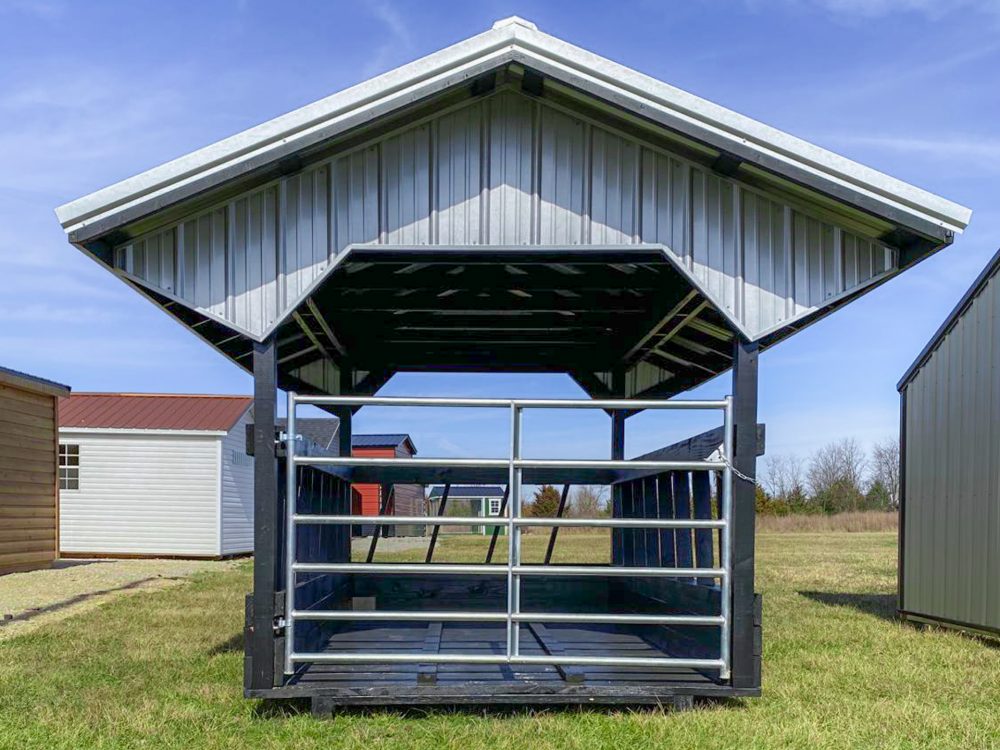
point(745, 641)
point(267, 565)
point(617, 511)
point(617, 454)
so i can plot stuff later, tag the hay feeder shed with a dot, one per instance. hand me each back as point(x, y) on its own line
point(511, 203)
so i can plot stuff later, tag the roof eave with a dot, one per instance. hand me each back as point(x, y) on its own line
point(513, 41)
point(25, 382)
point(971, 293)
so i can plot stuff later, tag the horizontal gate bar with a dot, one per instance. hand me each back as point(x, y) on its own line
point(500, 403)
point(631, 523)
point(434, 463)
point(502, 463)
point(402, 520)
point(625, 523)
point(616, 571)
point(402, 568)
point(548, 463)
point(567, 617)
point(425, 658)
point(497, 570)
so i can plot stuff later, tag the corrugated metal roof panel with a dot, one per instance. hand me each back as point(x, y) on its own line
point(152, 411)
point(390, 440)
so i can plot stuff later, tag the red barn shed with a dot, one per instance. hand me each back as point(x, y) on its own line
point(404, 499)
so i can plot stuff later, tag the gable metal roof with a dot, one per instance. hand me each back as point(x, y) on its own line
point(33, 383)
point(384, 441)
point(152, 411)
point(515, 41)
point(957, 312)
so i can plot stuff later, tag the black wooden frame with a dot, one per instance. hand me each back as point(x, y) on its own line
point(264, 673)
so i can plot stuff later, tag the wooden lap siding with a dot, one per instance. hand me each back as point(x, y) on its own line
point(28, 456)
point(370, 494)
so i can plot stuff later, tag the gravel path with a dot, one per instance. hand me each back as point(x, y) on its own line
point(30, 600)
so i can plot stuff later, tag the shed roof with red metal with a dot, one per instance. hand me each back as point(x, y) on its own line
point(152, 411)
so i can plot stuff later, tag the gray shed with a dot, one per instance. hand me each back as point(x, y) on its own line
point(949, 534)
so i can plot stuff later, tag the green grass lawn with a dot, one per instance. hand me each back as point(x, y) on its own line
point(164, 669)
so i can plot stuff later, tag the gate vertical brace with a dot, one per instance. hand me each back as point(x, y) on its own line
point(745, 653)
point(267, 565)
point(291, 506)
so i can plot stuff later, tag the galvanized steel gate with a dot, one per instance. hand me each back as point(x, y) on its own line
point(514, 570)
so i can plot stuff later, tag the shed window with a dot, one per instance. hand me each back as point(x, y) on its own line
point(494, 506)
point(69, 467)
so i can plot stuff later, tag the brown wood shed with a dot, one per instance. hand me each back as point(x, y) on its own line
point(29, 471)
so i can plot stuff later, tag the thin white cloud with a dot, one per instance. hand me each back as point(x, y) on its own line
point(968, 146)
point(60, 313)
point(46, 10)
point(868, 9)
point(398, 39)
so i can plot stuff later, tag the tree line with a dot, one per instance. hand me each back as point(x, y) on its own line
point(839, 477)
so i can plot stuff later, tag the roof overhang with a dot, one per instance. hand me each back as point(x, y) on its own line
point(123, 431)
point(755, 149)
point(23, 381)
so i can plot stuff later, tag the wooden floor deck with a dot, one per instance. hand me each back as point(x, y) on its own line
point(490, 638)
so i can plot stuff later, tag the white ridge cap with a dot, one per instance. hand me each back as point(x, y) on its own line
point(503, 23)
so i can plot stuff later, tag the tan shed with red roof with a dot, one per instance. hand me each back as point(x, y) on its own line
point(155, 475)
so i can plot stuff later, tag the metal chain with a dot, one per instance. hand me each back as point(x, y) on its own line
point(736, 471)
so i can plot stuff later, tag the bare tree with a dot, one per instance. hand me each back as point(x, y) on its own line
point(836, 475)
point(885, 468)
point(783, 476)
point(589, 501)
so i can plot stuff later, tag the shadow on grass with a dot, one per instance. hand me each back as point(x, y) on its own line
point(228, 646)
point(882, 606)
point(33, 612)
point(283, 709)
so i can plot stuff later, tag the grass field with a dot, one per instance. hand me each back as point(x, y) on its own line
point(164, 670)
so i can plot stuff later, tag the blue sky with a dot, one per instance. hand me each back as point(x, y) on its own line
point(94, 92)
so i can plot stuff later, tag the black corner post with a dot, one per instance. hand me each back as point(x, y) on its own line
point(746, 646)
point(345, 413)
point(617, 454)
point(267, 515)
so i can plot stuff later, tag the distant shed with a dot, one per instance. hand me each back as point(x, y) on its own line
point(367, 497)
point(156, 475)
point(949, 543)
point(29, 480)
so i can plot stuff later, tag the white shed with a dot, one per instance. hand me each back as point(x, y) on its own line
point(155, 475)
